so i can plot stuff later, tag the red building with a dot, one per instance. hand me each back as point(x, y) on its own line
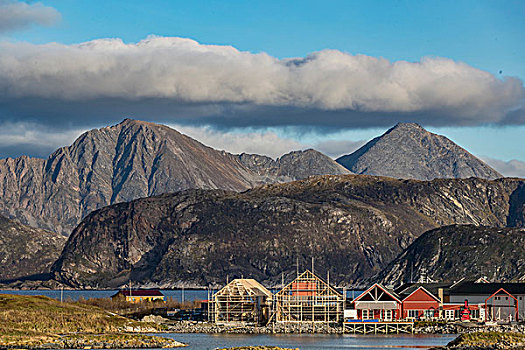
point(420, 304)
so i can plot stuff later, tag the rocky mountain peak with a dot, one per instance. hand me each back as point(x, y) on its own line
point(130, 160)
point(404, 126)
point(409, 151)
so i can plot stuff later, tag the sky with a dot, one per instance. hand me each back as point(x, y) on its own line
point(266, 76)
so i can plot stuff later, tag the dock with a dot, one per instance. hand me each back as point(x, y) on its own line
point(359, 327)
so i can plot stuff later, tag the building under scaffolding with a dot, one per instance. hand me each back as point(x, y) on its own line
point(242, 301)
point(309, 299)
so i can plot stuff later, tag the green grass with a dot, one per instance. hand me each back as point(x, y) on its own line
point(489, 338)
point(30, 321)
point(420, 324)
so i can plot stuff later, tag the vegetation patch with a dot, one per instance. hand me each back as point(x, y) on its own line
point(421, 324)
point(42, 322)
point(482, 339)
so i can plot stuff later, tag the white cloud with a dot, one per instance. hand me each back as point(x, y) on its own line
point(511, 168)
point(183, 70)
point(34, 139)
point(20, 14)
point(337, 148)
point(266, 143)
point(37, 140)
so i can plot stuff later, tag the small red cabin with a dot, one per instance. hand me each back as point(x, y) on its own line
point(421, 304)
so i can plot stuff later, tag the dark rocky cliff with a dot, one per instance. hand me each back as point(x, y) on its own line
point(127, 161)
point(407, 151)
point(26, 250)
point(450, 253)
point(353, 225)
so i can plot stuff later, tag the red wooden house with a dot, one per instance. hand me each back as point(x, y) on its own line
point(420, 304)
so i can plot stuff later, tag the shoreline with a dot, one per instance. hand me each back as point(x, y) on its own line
point(211, 328)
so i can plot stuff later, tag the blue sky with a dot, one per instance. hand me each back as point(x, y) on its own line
point(485, 34)
point(488, 36)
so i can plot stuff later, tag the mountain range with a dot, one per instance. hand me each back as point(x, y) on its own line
point(353, 225)
point(118, 189)
point(131, 160)
point(137, 159)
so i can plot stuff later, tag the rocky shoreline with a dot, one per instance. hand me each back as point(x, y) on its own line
point(96, 341)
point(206, 327)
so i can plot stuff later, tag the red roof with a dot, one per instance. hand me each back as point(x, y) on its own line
point(141, 293)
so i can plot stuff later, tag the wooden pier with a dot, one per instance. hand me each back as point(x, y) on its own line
point(378, 327)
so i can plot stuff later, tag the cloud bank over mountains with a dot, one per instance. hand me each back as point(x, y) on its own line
point(178, 78)
point(511, 168)
point(50, 93)
point(19, 14)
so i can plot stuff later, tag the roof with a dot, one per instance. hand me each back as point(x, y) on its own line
point(424, 290)
point(140, 293)
point(245, 286)
point(408, 288)
point(310, 277)
point(472, 288)
point(384, 289)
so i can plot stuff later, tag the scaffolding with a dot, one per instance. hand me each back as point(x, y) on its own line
point(308, 299)
point(242, 301)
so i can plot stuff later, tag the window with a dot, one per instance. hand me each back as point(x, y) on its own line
point(387, 315)
point(429, 313)
point(413, 313)
point(367, 314)
point(449, 314)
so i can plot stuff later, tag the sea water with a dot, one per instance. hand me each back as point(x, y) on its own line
point(311, 341)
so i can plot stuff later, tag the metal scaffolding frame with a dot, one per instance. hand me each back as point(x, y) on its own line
point(308, 299)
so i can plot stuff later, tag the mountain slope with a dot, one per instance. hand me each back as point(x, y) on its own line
point(407, 151)
point(292, 166)
point(450, 253)
point(352, 225)
point(25, 250)
point(123, 162)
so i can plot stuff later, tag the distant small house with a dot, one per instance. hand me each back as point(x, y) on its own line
point(135, 296)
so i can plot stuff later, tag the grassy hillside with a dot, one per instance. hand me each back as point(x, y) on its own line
point(489, 339)
point(32, 321)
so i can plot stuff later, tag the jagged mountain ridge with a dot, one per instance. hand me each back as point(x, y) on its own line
point(292, 166)
point(26, 250)
point(131, 160)
point(407, 151)
point(450, 253)
point(353, 225)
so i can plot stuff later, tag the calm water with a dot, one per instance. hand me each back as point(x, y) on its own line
point(187, 294)
point(190, 294)
point(311, 341)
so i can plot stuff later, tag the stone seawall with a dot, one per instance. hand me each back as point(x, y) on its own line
point(448, 328)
